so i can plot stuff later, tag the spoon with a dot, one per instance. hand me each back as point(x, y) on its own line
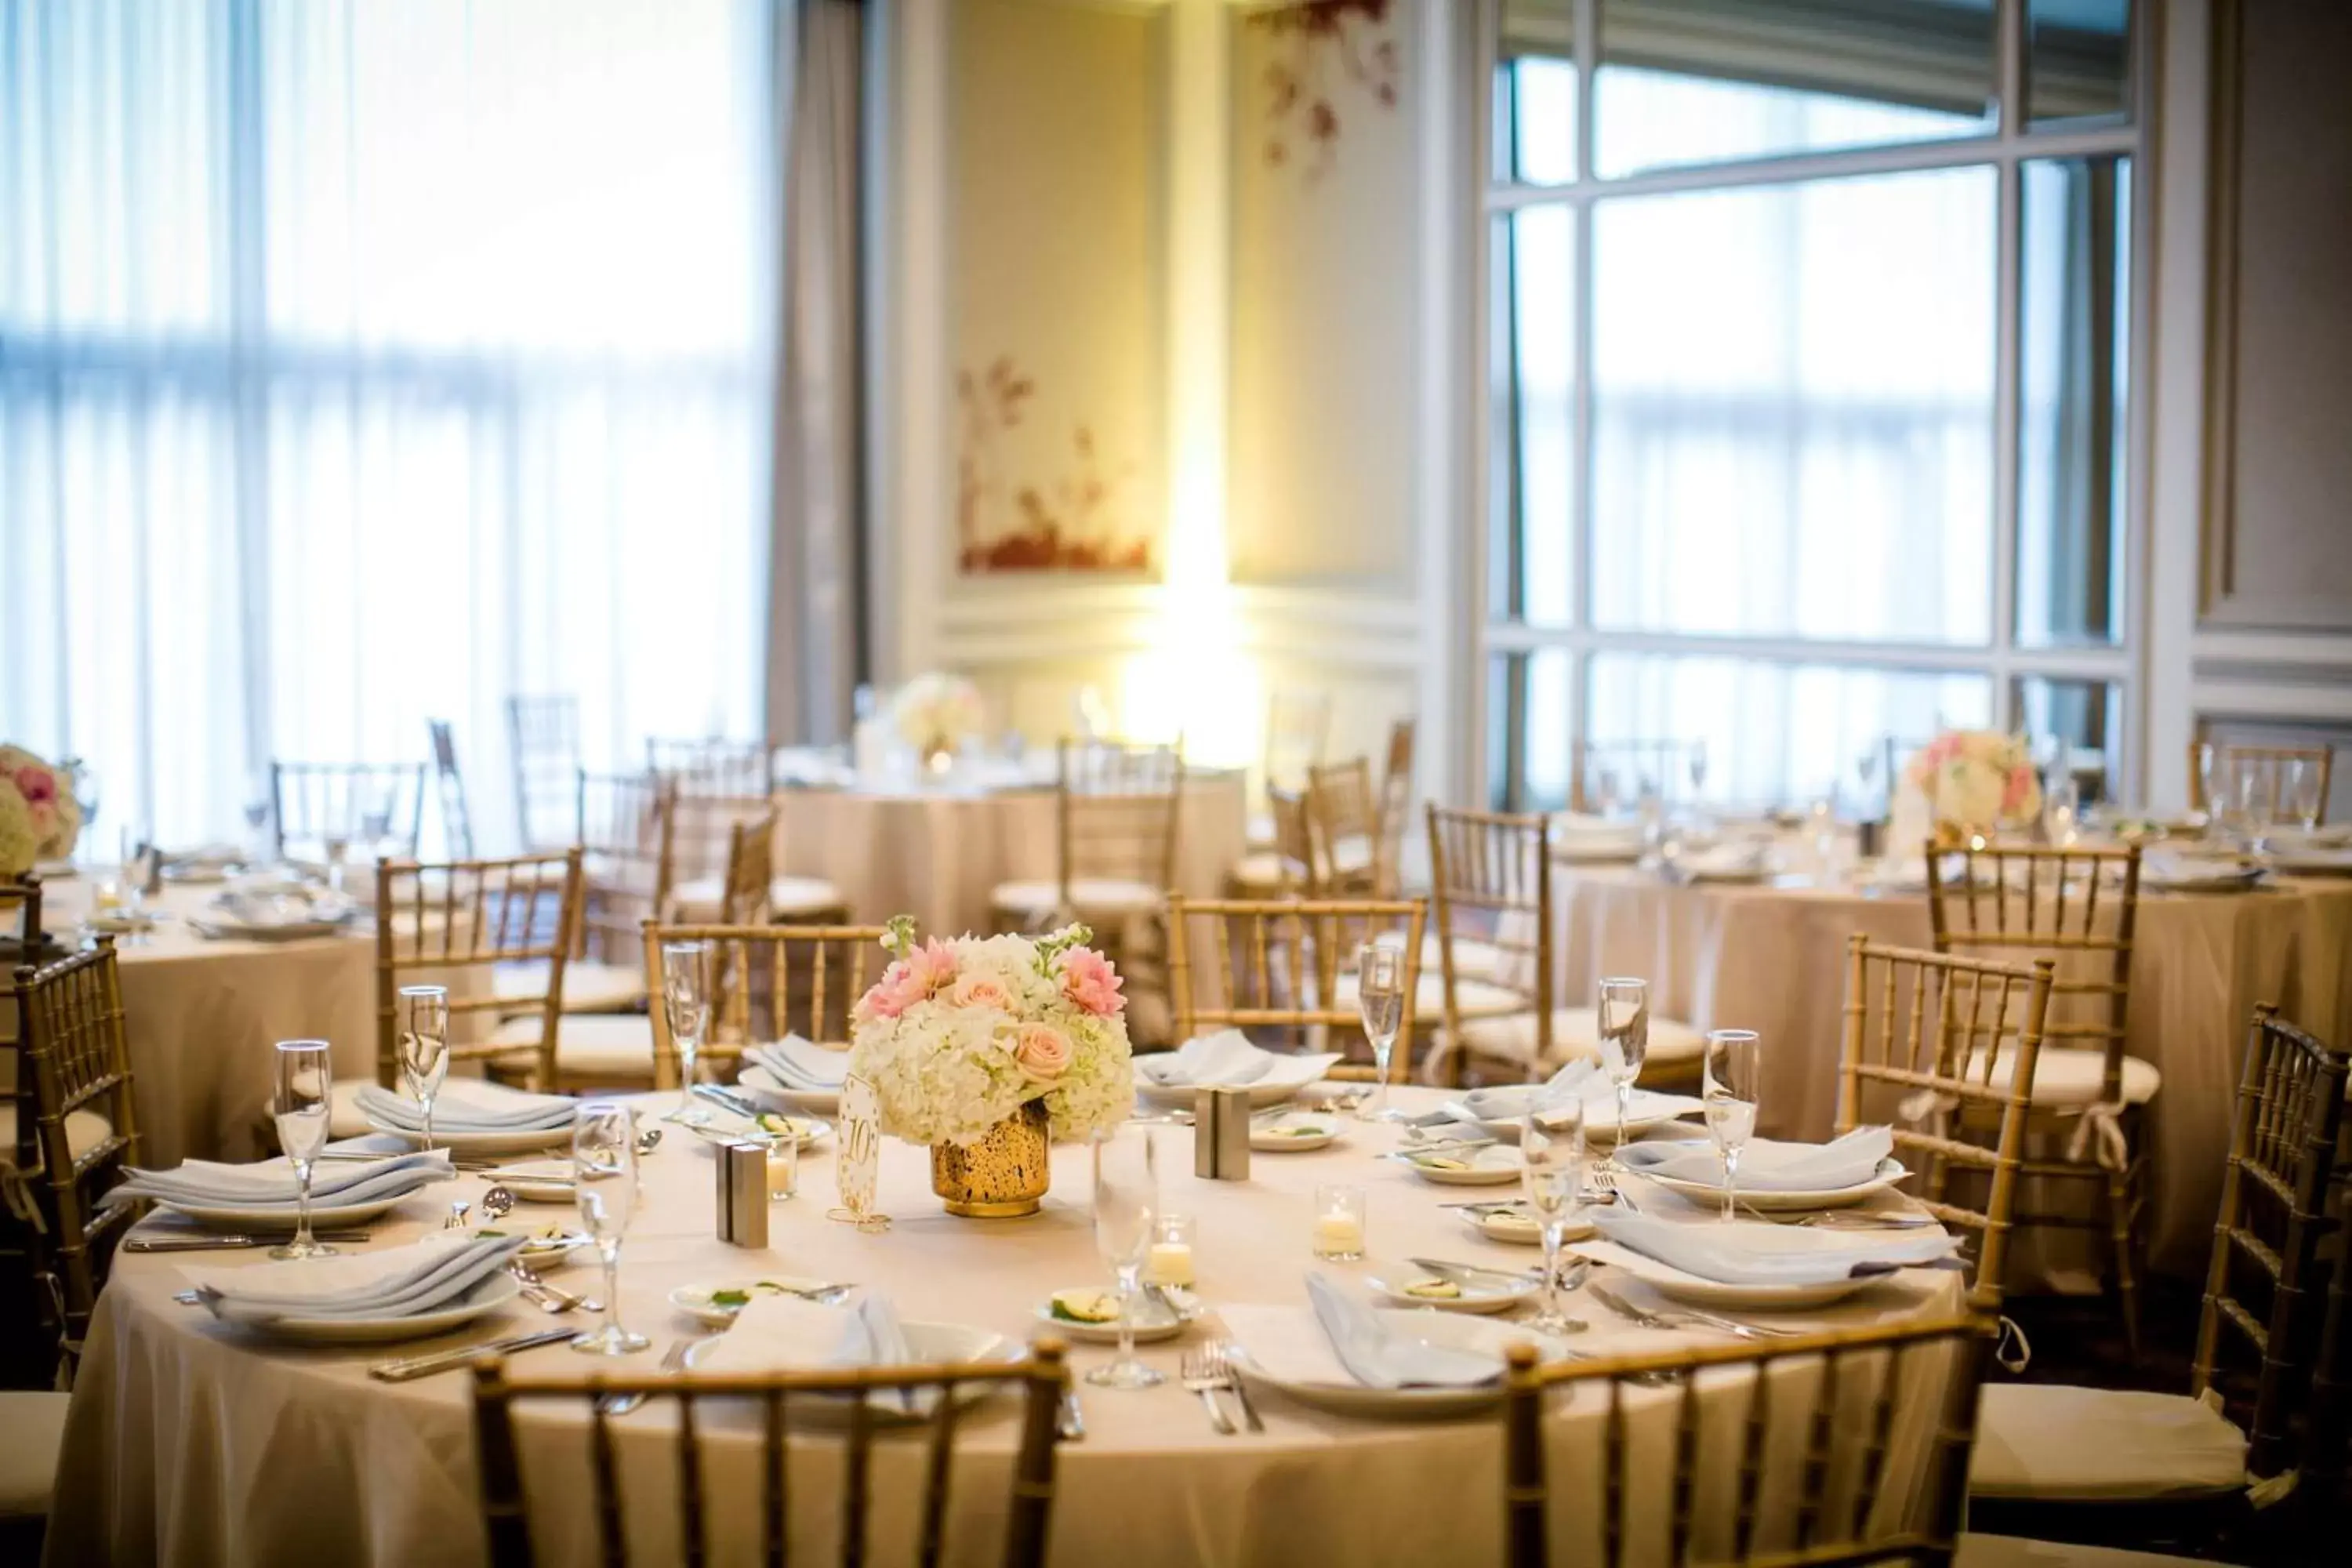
point(457, 1212)
point(648, 1139)
point(497, 1202)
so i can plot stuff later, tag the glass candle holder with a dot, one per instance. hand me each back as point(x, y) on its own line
point(1171, 1258)
point(784, 1168)
point(1340, 1222)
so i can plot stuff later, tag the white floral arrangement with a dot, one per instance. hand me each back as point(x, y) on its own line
point(1964, 783)
point(44, 810)
point(957, 1035)
point(936, 711)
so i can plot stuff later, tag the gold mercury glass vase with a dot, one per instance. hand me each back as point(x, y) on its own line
point(1000, 1177)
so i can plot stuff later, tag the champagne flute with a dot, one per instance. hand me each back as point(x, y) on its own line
point(1732, 1087)
point(305, 1086)
point(132, 884)
point(2303, 791)
point(1624, 1020)
point(605, 1173)
point(1379, 998)
point(1127, 1214)
point(425, 1046)
point(2256, 804)
point(687, 1003)
point(2213, 786)
point(1551, 1156)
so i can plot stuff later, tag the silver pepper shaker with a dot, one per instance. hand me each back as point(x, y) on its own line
point(743, 1194)
point(1221, 1133)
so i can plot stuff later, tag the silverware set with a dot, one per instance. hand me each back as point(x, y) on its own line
point(673, 1361)
point(547, 1298)
point(404, 1368)
point(1208, 1370)
point(1685, 1317)
point(211, 1241)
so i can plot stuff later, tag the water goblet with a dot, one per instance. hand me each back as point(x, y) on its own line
point(1552, 1155)
point(1624, 1021)
point(1379, 998)
point(304, 1105)
point(424, 1046)
point(1731, 1087)
point(1125, 1213)
point(605, 1177)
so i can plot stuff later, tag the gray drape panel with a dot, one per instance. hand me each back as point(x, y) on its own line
point(815, 595)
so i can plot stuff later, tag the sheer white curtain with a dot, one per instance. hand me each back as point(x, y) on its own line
point(364, 360)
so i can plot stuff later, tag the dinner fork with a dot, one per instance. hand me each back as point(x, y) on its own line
point(546, 1297)
point(1682, 1319)
point(1220, 1354)
point(1197, 1373)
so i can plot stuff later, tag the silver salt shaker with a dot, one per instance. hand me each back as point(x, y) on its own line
point(1221, 1133)
point(743, 1194)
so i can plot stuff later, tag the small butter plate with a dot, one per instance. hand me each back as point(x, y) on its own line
point(1153, 1323)
point(715, 1302)
point(1295, 1132)
point(1488, 1167)
point(1477, 1292)
point(1518, 1226)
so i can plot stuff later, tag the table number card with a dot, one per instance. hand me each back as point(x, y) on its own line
point(857, 1163)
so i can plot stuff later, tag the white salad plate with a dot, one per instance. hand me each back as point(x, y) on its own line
point(928, 1343)
point(1491, 1166)
point(701, 1301)
point(1496, 1292)
point(274, 1217)
point(1297, 1131)
point(1765, 1201)
point(526, 1140)
point(1151, 1324)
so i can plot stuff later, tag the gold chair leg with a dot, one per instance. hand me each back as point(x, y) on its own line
point(2118, 1188)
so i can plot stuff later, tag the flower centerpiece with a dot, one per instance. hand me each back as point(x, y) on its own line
point(49, 813)
point(989, 1048)
point(935, 713)
point(1962, 786)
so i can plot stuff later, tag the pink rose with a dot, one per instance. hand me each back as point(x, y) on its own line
point(920, 975)
point(1043, 1051)
point(38, 785)
point(2018, 789)
point(980, 991)
point(1090, 983)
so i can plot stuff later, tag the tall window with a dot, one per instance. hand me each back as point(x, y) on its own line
point(1810, 325)
point(364, 360)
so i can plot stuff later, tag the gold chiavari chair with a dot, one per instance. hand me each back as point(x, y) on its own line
point(714, 766)
point(1490, 892)
point(457, 822)
point(1287, 868)
point(703, 842)
point(456, 924)
point(1395, 804)
point(1840, 1447)
point(71, 1134)
point(543, 745)
point(744, 890)
point(1929, 1039)
point(1606, 774)
point(2079, 908)
point(1116, 810)
point(1343, 820)
point(314, 804)
point(2256, 1339)
point(622, 823)
point(2210, 763)
point(1285, 966)
point(767, 981)
point(681, 1519)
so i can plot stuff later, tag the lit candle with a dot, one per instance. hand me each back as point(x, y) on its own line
point(1171, 1263)
point(1339, 1236)
point(784, 1168)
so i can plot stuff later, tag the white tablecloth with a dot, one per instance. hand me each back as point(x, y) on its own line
point(190, 1443)
point(1772, 958)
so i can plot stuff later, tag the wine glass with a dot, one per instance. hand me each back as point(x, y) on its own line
point(425, 1046)
point(2303, 793)
point(1379, 998)
point(257, 819)
point(337, 842)
point(1697, 769)
point(1127, 1212)
point(605, 1174)
point(131, 882)
point(1551, 1155)
point(1624, 1021)
point(375, 823)
point(2212, 785)
point(1731, 1088)
point(2257, 804)
point(304, 1107)
point(688, 1002)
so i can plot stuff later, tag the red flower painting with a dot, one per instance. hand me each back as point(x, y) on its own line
point(1066, 522)
point(1323, 45)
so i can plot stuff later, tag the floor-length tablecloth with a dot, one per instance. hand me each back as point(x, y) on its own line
point(189, 1444)
point(1772, 958)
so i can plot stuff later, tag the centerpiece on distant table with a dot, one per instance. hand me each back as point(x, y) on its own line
point(987, 1048)
point(39, 815)
point(935, 713)
point(1962, 787)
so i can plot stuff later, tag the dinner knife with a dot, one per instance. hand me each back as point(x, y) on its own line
point(228, 1243)
point(409, 1367)
point(728, 1099)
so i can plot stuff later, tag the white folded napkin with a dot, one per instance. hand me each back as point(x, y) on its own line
point(399, 1282)
point(1343, 1340)
point(471, 1105)
point(1583, 1079)
point(1227, 1059)
point(1720, 861)
point(1768, 1165)
point(1762, 1253)
point(270, 1183)
point(803, 1064)
point(788, 1333)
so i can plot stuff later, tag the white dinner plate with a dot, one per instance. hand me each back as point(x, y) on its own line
point(195, 874)
point(275, 931)
point(507, 1141)
point(1600, 1122)
point(2201, 876)
point(1890, 1171)
point(763, 1087)
point(1151, 1325)
point(484, 1299)
point(2313, 862)
point(1517, 1227)
point(1480, 1292)
point(1314, 1130)
point(700, 1299)
point(280, 1217)
point(535, 1181)
point(926, 1342)
point(1452, 1330)
point(1489, 1167)
point(1695, 1290)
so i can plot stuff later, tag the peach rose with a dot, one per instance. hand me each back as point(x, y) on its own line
point(980, 991)
point(1042, 1051)
point(1090, 983)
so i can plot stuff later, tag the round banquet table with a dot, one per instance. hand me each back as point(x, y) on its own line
point(936, 853)
point(200, 1015)
point(190, 1443)
point(1771, 957)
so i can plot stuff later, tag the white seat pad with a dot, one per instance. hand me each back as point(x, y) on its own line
point(2061, 1444)
point(85, 1131)
point(1576, 1032)
point(619, 1045)
point(1093, 895)
point(1262, 873)
point(2071, 1075)
point(32, 1430)
point(1474, 998)
point(697, 902)
point(590, 984)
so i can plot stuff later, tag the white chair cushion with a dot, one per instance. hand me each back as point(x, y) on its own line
point(1476, 998)
point(2015, 1552)
point(590, 984)
point(85, 1131)
point(698, 901)
point(32, 1431)
point(591, 1045)
point(2071, 1075)
point(1095, 896)
point(2055, 1443)
point(1576, 1032)
point(1260, 874)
